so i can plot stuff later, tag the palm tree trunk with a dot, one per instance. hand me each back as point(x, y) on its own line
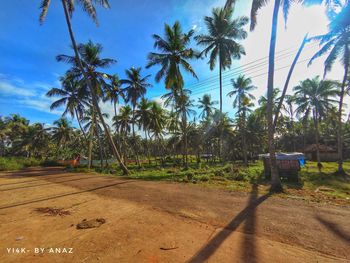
point(288, 79)
point(91, 140)
point(319, 165)
point(340, 122)
point(148, 153)
point(276, 185)
point(220, 75)
point(93, 94)
point(98, 140)
point(185, 139)
point(244, 143)
point(134, 137)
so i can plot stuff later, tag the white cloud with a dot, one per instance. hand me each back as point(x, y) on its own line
point(9, 89)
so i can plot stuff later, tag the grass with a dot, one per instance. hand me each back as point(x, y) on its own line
point(314, 186)
point(18, 163)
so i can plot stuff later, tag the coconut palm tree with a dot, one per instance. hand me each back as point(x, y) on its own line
point(289, 109)
point(122, 123)
point(336, 43)
point(173, 57)
point(113, 92)
point(206, 105)
point(241, 89)
point(183, 109)
point(316, 96)
point(221, 40)
point(157, 122)
point(136, 88)
point(89, 8)
point(143, 118)
point(61, 132)
point(72, 96)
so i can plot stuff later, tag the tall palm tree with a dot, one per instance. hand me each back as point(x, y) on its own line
point(276, 185)
point(288, 107)
point(89, 8)
point(207, 106)
point(241, 89)
point(316, 96)
point(136, 88)
point(221, 40)
point(72, 96)
point(336, 43)
point(174, 55)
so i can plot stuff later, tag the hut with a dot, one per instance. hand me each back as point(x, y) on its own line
point(327, 153)
point(288, 164)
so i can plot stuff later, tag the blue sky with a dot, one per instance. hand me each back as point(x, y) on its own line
point(28, 67)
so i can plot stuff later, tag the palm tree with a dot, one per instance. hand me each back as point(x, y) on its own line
point(173, 57)
point(122, 123)
point(113, 92)
point(143, 118)
point(315, 95)
point(136, 88)
point(207, 106)
point(241, 88)
point(183, 110)
point(336, 43)
point(61, 132)
point(88, 7)
point(221, 42)
point(72, 96)
point(157, 122)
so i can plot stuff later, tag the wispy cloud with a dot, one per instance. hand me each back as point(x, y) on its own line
point(31, 95)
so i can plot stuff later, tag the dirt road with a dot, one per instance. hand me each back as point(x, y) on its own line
point(160, 222)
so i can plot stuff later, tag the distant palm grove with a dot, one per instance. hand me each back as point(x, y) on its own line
point(183, 128)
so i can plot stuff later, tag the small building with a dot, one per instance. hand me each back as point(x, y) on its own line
point(327, 153)
point(288, 164)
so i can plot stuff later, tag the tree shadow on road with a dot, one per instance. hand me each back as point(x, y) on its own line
point(334, 228)
point(248, 216)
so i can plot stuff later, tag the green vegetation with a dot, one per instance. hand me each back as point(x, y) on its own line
point(18, 163)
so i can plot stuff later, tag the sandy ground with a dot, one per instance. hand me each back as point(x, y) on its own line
point(161, 222)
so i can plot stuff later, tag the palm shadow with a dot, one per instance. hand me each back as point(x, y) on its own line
point(247, 215)
point(334, 228)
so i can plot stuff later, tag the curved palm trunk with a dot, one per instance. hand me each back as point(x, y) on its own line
point(93, 94)
point(340, 111)
point(276, 185)
point(288, 79)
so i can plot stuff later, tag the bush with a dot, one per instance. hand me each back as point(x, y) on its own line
point(17, 163)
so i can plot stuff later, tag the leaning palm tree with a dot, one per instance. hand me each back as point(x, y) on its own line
point(241, 89)
point(316, 96)
point(89, 57)
point(173, 57)
point(206, 105)
point(221, 40)
point(89, 8)
point(136, 88)
point(336, 43)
